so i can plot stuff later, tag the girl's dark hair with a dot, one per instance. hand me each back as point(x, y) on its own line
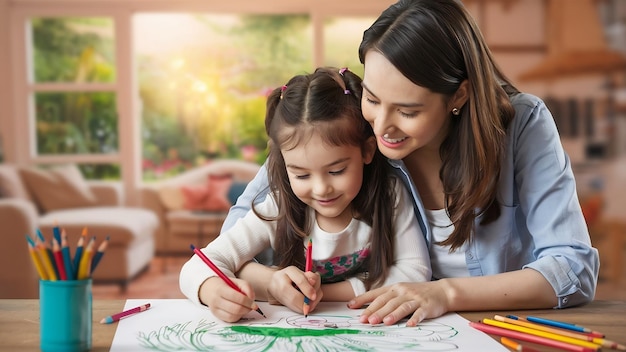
point(437, 45)
point(326, 103)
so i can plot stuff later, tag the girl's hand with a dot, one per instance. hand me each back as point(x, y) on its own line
point(389, 304)
point(224, 302)
point(288, 287)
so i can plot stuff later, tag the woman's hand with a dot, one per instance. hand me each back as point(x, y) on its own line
point(288, 287)
point(224, 302)
point(390, 304)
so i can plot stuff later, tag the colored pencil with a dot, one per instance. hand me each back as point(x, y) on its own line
point(79, 252)
point(84, 265)
point(512, 319)
point(58, 259)
point(540, 333)
point(116, 317)
point(223, 276)
point(56, 232)
point(36, 260)
point(99, 253)
point(516, 346)
point(44, 256)
point(308, 267)
point(562, 325)
point(489, 329)
point(48, 251)
point(67, 257)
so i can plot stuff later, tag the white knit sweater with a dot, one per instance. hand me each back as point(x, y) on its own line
point(337, 256)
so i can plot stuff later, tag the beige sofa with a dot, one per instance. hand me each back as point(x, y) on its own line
point(31, 199)
point(179, 226)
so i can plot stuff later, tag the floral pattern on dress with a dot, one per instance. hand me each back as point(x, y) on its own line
point(341, 267)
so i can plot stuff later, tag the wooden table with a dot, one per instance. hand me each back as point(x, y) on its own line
point(19, 321)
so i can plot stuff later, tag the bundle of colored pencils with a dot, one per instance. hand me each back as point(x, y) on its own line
point(54, 261)
point(565, 336)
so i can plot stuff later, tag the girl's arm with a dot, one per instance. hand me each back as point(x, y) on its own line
point(229, 251)
point(277, 286)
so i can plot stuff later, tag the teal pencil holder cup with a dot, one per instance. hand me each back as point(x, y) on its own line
point(65, 310)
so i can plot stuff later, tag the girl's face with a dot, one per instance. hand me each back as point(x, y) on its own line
point(327, 178)
point(405, 117)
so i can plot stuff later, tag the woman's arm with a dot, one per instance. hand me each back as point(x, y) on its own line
point(546, 189)
point(520, 289)
point(255, 191)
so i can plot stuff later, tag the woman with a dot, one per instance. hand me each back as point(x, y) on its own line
point(492, 185)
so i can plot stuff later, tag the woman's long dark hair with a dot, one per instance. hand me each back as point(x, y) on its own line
point(326, 103)
point(437, 45)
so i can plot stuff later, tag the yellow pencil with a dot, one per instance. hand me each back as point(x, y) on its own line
point(522, 322)
point(545, 334)
point(38, 265)
point(46, 262)
point(84, 267)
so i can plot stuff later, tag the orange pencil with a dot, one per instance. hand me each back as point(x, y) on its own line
point(516, 346)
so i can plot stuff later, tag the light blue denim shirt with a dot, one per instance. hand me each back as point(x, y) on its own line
point(541, 225)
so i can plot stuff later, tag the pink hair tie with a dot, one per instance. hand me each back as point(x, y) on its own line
point(342, 70)
point(346, 92)
point(282, 89)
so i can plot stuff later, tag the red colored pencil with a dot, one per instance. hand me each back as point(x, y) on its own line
point(58, 258)
point(116, 317)
point(308, 266)
point(223, 276)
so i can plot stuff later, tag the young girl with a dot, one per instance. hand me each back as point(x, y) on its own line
point(328, 183)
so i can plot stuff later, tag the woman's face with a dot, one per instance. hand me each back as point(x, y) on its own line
point(405, 117)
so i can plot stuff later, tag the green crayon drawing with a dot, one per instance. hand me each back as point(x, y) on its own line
point(316, 333)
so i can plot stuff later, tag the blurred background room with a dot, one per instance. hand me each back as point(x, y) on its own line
point(154, 95)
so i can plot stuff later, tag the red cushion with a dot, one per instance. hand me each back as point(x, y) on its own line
point(213, 196)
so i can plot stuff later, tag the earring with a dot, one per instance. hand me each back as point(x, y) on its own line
point(456, 111)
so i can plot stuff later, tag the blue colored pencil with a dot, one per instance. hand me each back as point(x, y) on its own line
point(67, 257)
point(56, 232)
point(562, 325)
point(99, 253)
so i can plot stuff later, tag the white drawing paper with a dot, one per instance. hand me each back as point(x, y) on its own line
point(180, 325)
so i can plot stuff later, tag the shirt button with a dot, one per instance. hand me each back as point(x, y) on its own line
point(470, 255)
point(565, 300)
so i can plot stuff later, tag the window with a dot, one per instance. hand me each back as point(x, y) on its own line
point(204, 83)
point(141, 91)
point(72, 77)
